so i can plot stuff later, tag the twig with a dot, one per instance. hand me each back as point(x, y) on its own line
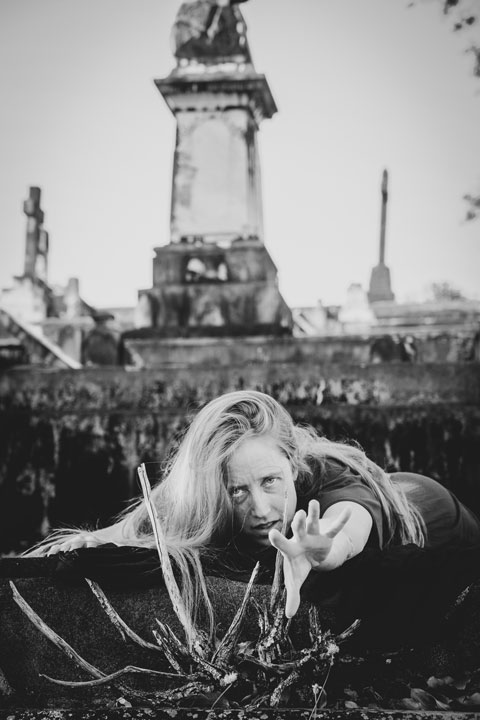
point(117, 621)
point(168, 576)
point(282, 686)
point(309, 656)
point(174, 647)
point(108, 678)
point(227, 644)
point(257, 702)
point(348, 631)
point(185, 690)
point(168, 652)
point(261, 616)
point(217, 700)
point(268, 646)
point(314, 627)
point(52, 635)
point(207, 666)
point(320, 693)
point(60, 642)
point(173, 642)
point(276, 591)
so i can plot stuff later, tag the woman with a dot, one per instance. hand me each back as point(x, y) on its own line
point(243, 470)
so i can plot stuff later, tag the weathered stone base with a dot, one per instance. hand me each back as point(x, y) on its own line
point(26, 655)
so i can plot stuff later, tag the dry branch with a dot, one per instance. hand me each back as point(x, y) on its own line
point(193, 637)
point(168, 652)
point(348, 631)
point(227, 645)
point(117, 621)
point(277, 583)
point(52, 635)
point(113, 676)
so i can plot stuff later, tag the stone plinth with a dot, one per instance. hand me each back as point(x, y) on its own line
point(380, 289)
point(204, 289)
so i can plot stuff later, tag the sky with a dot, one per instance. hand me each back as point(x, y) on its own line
point(360, 85)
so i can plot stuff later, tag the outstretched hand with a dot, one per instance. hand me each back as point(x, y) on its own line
point(76, 541)
point(308, 548)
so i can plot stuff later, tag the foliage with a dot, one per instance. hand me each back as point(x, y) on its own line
point(473, 202)
point(464, 16)
point(445, 291)
point(462, 13)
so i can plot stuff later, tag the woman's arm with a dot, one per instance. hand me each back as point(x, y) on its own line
point(320, 543)
point(352, 537)
point(89, 538)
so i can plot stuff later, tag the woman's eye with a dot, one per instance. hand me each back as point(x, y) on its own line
point(268, 482)
point(237, 493)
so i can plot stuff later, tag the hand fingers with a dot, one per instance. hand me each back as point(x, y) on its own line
point(313, 517)
point(336, 524)
point(76, 542)
point(299, 526)
point(292, 602)
point(53, 550)
point(292, 586)
point(92, 543)
point(279, 541)
point(293, 593)
point(63, 547)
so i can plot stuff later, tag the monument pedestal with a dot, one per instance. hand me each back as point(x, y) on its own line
point(380, 284)
point(203, 289)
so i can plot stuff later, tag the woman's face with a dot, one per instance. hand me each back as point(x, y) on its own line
point(260, 479)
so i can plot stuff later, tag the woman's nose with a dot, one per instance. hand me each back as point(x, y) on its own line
point(260, 504)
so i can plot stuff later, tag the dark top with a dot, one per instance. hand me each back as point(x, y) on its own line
point(447, 520)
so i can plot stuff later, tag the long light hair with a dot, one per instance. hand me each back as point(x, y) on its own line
point(192, 500)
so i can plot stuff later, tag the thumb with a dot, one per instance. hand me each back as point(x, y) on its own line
point(278, 540)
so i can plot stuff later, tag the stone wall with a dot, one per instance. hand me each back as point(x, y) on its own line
point(72, 440)
point(154, 349)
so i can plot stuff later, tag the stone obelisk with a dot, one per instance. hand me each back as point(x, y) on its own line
point(380, 289)
point(215, 276)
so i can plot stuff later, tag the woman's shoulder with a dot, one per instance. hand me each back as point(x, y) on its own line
point(323, 475)
point(326, 470)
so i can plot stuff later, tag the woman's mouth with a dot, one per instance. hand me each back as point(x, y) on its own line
point(264, 528)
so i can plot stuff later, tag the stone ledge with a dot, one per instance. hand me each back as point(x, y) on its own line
point(73, 612)
point(206, 714)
